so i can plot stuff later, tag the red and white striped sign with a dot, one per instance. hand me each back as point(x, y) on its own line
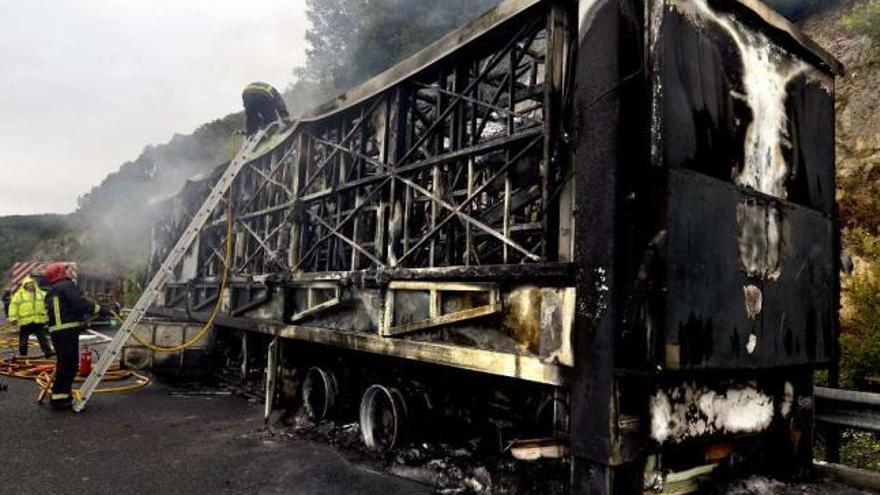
point(21, 269)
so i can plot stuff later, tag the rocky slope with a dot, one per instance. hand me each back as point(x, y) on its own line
point(858, 157)
point(858, 100)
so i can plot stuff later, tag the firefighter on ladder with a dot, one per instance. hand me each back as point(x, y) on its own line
point(67, 311)
point(262, 106)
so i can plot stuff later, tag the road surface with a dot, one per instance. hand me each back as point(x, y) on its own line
point(152, 442)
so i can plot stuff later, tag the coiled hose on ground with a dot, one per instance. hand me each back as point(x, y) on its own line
point(42, 370)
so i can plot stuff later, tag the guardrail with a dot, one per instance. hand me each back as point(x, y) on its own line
point(848, 409)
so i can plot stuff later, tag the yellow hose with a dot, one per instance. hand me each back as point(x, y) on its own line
point(42, 370)
point(210, 323)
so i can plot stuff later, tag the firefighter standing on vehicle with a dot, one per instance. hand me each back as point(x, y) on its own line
point(263, 105)
point(27, 309)
point(68, 311)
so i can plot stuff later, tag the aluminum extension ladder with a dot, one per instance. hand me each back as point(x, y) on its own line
point(166, 271)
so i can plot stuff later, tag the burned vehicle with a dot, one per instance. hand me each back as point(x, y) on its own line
point(610, 222)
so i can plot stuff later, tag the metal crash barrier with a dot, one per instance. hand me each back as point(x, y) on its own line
point(848, 409)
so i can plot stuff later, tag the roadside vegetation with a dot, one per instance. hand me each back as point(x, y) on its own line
point(20, 236)
point(859, 197)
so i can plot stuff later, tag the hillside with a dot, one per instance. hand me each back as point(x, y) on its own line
point(851, 31)
point(20, 236)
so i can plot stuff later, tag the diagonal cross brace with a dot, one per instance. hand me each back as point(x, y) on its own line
point(278, 165)
point(377, 189)
point(456, 100)
point(270, 180)
point(263, 246)
point(463, 216)
point(345, 139)
point(471, 197)
point(335, 231)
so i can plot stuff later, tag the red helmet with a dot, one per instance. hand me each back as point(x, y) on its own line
point(55, 272)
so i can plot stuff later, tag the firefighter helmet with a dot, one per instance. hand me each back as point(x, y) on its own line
point(55, 272)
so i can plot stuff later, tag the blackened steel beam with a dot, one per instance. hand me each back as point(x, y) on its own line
point(597, 151)
point(562, 274)
point(520, 366)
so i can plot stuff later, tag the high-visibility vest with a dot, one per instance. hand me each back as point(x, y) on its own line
point(68, 308)
point(26, 307)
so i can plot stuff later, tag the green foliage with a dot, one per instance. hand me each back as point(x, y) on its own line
point(20, 235)
point(395, 29)
point(353, 40)
point(865, 19)
point(133, 287)
point(859, 449)
point(859, 200)
point(335, 25)
point(860, 210)
point(860, 338)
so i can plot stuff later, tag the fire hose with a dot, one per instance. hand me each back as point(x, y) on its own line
point(210, 322)
point(42, 370)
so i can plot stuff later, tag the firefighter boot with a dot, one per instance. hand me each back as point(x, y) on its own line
point(61, 402)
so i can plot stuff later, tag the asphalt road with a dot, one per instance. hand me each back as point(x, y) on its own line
point(151, 442)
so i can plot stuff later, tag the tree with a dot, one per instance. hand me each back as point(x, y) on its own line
point(353, 40)
point(395, 29)
point(335, 25)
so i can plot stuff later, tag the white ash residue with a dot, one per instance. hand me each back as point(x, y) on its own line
point(787, 400)
point(754, 485)
point(691, 411)
point(767, 71)
point(752, 343)
point(761, 485)
point(754, 301)
point(761, 233)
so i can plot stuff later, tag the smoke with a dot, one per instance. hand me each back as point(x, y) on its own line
point(353, 40)
point(114, 221)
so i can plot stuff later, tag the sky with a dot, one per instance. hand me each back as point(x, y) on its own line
point(85, 85)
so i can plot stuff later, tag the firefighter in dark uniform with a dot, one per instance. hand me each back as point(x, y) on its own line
point(262, 106)
point(67, 310)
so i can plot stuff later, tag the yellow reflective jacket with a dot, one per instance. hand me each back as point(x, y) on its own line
point(26, 307)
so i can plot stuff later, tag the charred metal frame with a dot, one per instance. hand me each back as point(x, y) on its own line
point(455, 172)
point(445, 170)
point(451, 167)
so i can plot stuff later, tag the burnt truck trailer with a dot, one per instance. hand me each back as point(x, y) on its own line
point(612, 221)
